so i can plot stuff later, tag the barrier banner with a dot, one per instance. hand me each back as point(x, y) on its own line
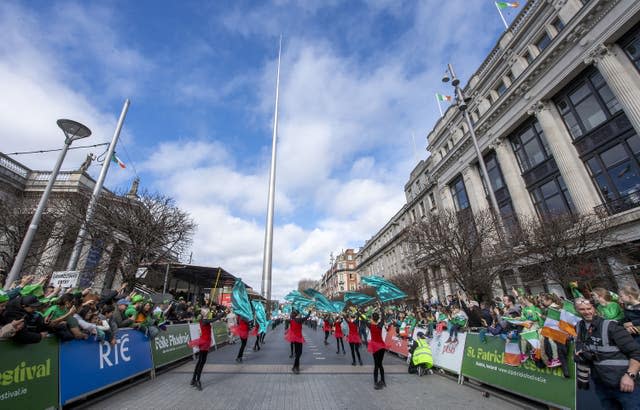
point(220, 333)
point(484, 363)
point(171, 345)
point(396, 343)
point(87, 366)
point(29, 375)
point(446, 355)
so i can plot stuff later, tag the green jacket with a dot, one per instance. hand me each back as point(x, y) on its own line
point(610, 311)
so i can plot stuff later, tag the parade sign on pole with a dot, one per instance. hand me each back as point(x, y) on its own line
point(65, 279)
point(171, 345)
point(484, 363)
point(87, 366)
point(29, 375)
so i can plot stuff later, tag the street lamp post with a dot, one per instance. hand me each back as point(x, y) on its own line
point(73, 131)
point(461, 101)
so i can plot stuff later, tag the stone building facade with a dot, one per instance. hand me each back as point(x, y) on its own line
point(341, 276)
point(556, 109)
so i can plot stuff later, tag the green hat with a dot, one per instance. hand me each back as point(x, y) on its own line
point(35, 290)
point(137, 298)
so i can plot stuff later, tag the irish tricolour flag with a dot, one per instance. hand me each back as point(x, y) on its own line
point(511, 354)
point(568, 318)
point(506, 4)
point(560, 324)
point(118, 161)
point(442, 97)
point(532, 338)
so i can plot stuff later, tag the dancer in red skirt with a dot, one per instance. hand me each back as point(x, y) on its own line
point(242, 331)
point(294, 335)
point(354, 340)
point(203, 343)
point(326, 326)
point(377, 347)
point(337, 332)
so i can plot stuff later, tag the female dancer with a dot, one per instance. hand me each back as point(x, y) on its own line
point(377, 347)
point(326, 326)
point(354, 340)
point(242, 331)
point(337, 332)
point(203, 343)
point(294, 336)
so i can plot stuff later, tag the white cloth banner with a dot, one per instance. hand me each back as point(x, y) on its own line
point(446, 355)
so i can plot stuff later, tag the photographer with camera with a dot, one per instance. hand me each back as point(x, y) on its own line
point(611, 356)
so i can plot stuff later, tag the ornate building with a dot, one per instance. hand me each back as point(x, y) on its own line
point(556, 108)
point(341, 275)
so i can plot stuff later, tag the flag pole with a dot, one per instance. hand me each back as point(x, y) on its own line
point(439, 106)
point(97, 189)
point(506, 26)
point(268, 234)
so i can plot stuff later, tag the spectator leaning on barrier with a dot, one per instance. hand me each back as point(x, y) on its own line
point(612, 356)
point(607, 308)
point(119, 314)
point(8, 329)
point(631, 298)
point(25, 307)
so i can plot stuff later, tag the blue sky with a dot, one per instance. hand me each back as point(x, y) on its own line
point(357, 80)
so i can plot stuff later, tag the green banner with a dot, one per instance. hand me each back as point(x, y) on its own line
point(29, 375)
point(483, 362)
point(220, 332)
point(171, 345)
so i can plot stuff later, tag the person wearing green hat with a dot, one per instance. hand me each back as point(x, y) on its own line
point(25, 307)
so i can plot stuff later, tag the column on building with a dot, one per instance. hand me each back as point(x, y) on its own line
point(520, 198)
point(475, 190)
point(103, 266)
point(446, 198)
point(621, 77)
point(583, 193)
point(52, 248)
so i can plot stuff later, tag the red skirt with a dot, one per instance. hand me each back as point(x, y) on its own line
point(202, 343)
point(338, 333)
point(354, 338)
point(292, 338)
point(374, 346)
point(254, 332)
point(241, 332)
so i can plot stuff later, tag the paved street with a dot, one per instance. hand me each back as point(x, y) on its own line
point(326, 381)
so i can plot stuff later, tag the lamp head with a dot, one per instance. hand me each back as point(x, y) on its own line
point(445, 77)
point(73, 130)
point(455, 82)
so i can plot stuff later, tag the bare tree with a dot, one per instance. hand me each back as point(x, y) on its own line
point(150, 227)
point(467, 247)
point(565, 248)
point(305, 284)
point(60, 217)
point(411, 282)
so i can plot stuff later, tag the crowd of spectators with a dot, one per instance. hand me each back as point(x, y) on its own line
point(32, 310)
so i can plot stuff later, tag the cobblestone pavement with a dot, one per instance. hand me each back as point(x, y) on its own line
point(327, 381)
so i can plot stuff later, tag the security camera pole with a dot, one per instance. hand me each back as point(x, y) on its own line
point(462, 106)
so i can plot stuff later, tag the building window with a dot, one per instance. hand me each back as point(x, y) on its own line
point(511, 77)
point(432, 200)
point(413, 215)
point(499, 188)
point(616, 172)
point(530, 146)
point(459, 194)
point(543, 42)
point(349, 257)
point(528, 57)
point(558, 24)
point(631, 47)
point(552, 197)
point(587, 104)
point(501, 88)
point(422, 210)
